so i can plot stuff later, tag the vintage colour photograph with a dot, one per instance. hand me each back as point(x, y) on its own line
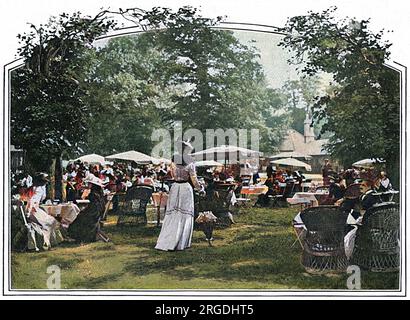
point(175, 148)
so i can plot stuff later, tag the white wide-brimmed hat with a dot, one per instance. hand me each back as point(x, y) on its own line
point(94, 180)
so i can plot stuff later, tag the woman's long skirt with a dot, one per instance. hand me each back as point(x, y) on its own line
point(177, 227)
point(48, 226)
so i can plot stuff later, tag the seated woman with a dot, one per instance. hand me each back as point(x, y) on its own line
point(361, 196)
point(86, 226)
point(351, 200)
point(336, 191)
point(36, 195)
point(385, 184)
point(263, 199)
point(350, 175)
point(71, 191)
point(359, 206)
point(148, 179)
point(385, 187)
point(368, 188)
point(209, 185)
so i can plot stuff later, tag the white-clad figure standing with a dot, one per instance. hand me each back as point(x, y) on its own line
point(177, 227)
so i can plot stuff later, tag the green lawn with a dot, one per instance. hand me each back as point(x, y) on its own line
point(255, 253)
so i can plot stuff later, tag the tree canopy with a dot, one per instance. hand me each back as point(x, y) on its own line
point(298, 98)
point(49, 114)
point(124, 94)
point(72, 96)
point(363, 108)
point(182, 69)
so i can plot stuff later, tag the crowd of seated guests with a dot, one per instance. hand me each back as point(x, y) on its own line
point(352, 179)
point(370, 187)
point(278, 181)
point(366, 188)
point(116, 178)
point(373, 188)
point(84, 181)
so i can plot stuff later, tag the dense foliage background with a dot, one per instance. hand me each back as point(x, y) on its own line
point(75, 97)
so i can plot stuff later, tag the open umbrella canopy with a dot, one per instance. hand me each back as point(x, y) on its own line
point(368, 163)
point(135, 156)
point(208, 163)
point(291, 154)
point(226, 153)
point(161, 160)
point(91, 158)
point(291, 162)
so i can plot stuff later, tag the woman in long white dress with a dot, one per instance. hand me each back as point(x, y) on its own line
point(177, 227)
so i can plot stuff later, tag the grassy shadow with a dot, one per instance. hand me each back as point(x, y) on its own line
point(258, 252)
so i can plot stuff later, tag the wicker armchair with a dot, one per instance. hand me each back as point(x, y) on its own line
point(121, 198)
point(323, 245)
point(134, 208)
point(377, 240)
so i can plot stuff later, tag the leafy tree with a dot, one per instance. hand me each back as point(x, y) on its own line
point(220, 82)
point(190, 71)
point(363, 109)
point(185, 70)
point(299, 98)
point(49, 115)
point(125, 92)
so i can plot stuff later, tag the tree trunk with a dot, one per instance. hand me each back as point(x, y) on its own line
point(52, 185)
point(58, 178)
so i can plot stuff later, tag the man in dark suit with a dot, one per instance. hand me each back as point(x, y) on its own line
point(269, 170)
point(326, 170)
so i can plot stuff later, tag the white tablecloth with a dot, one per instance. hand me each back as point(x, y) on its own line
point(305, 197)
point(67, 211)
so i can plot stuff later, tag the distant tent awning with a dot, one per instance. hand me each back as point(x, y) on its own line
point(208, 163)
point(135, 156)
point(291, 162)
point(161, 160)
point(91, 158)
point(291, 154)
point(226, 153)
point(368, 163)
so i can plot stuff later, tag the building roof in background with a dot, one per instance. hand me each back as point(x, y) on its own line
point(290, 154)
point(295, 141)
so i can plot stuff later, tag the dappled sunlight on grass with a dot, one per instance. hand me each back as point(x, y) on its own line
point(258, 252)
